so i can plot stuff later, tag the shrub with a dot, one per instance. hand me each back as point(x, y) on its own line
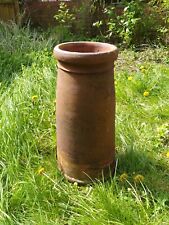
point(74, 21)
point(137, 22)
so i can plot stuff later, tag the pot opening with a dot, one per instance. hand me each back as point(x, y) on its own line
point(86, 47)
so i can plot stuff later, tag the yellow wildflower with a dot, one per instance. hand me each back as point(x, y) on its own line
point(143, 70)
point(142, 67)
point(138, 178)
point(41, 171)
point(123, 177)
point(34, 98)
point(130, 78)
point(167, 154)
point(146, 93)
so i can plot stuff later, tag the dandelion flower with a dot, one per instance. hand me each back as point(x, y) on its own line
point(143, 70)
point(130, 78)
point(41, 171)
point(142, 67)
point(138, 178)
point(123, 177)
point(146, 93)
point(34, 98)
point(167, 154)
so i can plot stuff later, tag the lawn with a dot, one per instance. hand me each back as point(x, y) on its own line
point(32, 190)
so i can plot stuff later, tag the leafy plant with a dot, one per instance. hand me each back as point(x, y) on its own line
point(72, 21)
point(135, 22)
point(65, 19)
point(64, 16)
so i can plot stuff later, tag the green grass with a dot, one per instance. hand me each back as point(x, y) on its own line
point(28, 140)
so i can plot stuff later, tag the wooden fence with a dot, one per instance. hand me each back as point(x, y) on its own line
point(9, 10)
point(41, 13)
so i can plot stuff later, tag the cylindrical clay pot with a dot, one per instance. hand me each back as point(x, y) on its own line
point(85, 110)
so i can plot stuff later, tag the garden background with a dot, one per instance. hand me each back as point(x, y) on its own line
point(32, 190)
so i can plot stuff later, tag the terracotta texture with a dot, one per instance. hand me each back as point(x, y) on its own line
point(85, 110)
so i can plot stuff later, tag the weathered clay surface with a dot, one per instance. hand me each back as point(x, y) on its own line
point(85, 110)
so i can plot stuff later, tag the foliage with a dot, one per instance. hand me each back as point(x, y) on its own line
point(72, 21)
point(135, 23)
point(64, 17)
point(128, 23)
point(32, 191)
point(125, 24)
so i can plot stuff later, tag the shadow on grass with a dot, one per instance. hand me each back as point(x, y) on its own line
point(155, 171)
point(11, 64)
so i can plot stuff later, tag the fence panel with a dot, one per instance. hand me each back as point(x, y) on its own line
point(41, 13)
point(9, 10)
